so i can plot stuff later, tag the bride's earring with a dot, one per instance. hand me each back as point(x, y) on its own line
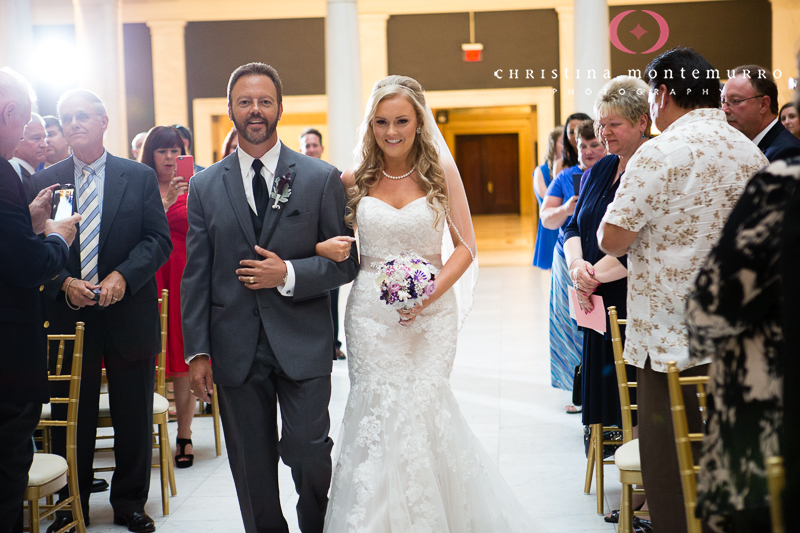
point(419, 130)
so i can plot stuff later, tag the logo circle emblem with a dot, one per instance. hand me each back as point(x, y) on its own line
point(613, 32)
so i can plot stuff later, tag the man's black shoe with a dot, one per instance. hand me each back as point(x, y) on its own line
point(99, 485)
point(137, 522)
point(62, 521)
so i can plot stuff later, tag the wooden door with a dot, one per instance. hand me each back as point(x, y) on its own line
point(489, 166)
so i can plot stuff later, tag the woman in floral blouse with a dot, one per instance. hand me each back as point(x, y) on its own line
point(735, 316)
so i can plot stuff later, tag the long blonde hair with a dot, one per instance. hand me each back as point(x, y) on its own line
point(423, 155)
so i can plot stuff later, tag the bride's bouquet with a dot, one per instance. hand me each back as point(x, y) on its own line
point(405, 280)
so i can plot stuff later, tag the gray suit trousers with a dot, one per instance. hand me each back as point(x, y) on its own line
point(249, 419)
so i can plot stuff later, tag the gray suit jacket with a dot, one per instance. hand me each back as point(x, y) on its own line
point(222, 317)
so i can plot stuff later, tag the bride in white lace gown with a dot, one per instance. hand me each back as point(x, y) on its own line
point(407, 459)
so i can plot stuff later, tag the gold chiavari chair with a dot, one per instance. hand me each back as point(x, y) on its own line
point(627, 456)
point(776, 481)
point(160, 417)
point(684, 439)
point(49, 472)
point(596, 461)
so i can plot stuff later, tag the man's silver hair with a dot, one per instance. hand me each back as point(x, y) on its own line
point(89, 96)
point(13, 87)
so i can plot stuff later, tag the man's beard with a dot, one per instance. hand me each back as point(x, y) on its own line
point(254, 138)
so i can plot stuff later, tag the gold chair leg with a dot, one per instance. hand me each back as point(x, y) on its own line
point(587, 486)
point(626, 509)
point(217, 429)
point(171, 464)
point(33, 506)
point(597, 440)
point(164, 452)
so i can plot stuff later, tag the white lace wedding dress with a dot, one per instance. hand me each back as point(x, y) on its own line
point(407, 460)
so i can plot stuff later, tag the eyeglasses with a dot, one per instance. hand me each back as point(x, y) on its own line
point(734, 103)
point(82, 118)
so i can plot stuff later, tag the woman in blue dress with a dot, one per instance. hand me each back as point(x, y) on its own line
point(559, 205)
point(546, 238)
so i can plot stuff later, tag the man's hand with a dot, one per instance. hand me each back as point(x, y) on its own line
point(66, 227)
point(41, 207)
point(79, 292)
point(112, 289)
point(265, 274)
point(201, 378)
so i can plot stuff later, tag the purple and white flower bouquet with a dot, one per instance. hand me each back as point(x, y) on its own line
point(405, 280)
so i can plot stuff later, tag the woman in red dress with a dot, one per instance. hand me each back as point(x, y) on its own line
point(160, 151)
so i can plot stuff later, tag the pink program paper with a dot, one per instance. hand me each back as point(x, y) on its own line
point(595, 320)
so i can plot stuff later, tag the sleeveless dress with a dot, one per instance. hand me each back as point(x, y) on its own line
point(169, 277)
point(545, 238)
point(407, 460)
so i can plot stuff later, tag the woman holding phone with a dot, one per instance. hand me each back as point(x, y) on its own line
point(160, 151)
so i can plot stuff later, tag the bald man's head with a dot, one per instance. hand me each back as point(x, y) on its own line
point(16, 96)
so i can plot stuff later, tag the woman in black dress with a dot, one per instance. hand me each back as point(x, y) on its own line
point(623, 124)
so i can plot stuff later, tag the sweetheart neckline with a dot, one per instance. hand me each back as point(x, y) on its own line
point(397, 208)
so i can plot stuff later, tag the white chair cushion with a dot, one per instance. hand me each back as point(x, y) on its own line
point(627, 456)
point(45, 468)
point(160, 405)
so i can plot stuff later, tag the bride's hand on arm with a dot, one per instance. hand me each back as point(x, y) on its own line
point(336, 248)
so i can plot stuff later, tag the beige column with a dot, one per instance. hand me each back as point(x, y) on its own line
point(785, 44)
point(16, 36)
point(374, 51)
point(342, 80)
point(98, 33)
point(169, 71)
point(566, 59)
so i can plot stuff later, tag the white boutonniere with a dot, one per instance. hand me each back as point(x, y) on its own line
point(281, 191)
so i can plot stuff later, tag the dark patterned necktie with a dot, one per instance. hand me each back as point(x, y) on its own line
point(260, 194)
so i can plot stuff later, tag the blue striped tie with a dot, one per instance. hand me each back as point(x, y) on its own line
point(89, 203)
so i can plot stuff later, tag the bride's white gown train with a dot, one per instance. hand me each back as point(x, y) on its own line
point(407, 459)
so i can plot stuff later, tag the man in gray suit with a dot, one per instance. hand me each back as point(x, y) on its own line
point(255, 300)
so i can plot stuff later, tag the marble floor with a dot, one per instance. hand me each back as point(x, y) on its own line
point(502, 382)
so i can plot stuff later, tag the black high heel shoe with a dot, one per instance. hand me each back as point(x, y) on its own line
point(183, 459)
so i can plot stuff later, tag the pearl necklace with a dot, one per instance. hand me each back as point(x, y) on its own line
point(399, 177)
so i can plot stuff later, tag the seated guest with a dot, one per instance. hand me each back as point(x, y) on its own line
point(565, 339)
point(669, 208)
point(136, 144)
point(160, 151)
point(29, 153)
point(542, 176)
point(750, 102)
point(230, 143)
point(186, 135)
point(790, 119)
point(57, 147)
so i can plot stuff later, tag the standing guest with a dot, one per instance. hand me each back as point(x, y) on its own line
point(735, 318)
point(255, 302)
point(542, 176)
point(311, 145)
point(136, 144)
point(109, 284)
point(57, 147)
point(160, 151)
point(27, 262)
point(669, 208)
point(188, 144)
point(790, 118)
point(29, 153)
point(230, 143)
point(750, 102)
point(566, 342)
point(569, 141)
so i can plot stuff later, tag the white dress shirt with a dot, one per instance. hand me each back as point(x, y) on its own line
point(763, 133)
point(270, 161)
point(17, 163)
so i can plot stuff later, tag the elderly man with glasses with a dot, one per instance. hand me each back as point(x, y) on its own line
point(750, 103)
